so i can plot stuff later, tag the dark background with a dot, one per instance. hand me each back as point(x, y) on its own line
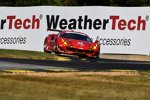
point(125, 3)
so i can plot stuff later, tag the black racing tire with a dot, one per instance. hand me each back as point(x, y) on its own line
point(56, 49)
point(97, 55)
point(45, 46)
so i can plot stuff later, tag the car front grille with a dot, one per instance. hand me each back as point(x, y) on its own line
point(79, 50)
point(71, 49)
point(88, 51)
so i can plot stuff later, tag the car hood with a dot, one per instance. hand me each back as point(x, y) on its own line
point(79, 43)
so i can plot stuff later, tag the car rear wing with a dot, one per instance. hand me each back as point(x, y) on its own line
point(54, 30)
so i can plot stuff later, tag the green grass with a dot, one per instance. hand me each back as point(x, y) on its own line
point(24, 54)
point(132, 85)
point(4, 53)
point(75, 86)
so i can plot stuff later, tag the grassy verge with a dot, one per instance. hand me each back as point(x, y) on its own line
point(22, 54)
point(76, 86)
point(111, 85)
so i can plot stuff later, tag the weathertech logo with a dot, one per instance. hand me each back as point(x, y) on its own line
point(84, 22)
point(17, 23)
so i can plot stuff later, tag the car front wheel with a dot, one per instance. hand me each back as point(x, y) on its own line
point(46, 47)
point(56, 49)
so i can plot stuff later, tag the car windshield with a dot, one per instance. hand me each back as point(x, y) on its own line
point(76, 36)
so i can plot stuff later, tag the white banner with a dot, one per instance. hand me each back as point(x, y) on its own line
point(121, 30)
point(22, 28)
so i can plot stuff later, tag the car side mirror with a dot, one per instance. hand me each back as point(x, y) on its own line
point(52, 38)
point(91, 39)
point(97, 39)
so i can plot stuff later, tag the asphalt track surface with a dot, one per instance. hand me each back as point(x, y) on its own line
point(75, 63)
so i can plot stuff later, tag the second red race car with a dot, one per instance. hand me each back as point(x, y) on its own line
point(72, 43)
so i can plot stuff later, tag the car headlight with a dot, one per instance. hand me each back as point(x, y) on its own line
point(65, 42)
point(95, 47)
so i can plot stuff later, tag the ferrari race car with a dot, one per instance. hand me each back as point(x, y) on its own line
point(72, 43)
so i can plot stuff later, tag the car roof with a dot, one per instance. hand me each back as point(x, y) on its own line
point(71, 31)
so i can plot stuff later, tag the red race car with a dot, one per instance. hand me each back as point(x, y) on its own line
point(73, 43)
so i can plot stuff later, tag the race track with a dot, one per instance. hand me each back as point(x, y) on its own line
point(74, 64)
